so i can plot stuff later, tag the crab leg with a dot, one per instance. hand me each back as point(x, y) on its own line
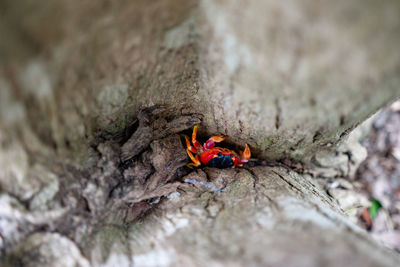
point(196, 144)
point(189, 146)
point(213, 139)
point(245, 155)
point(196, 160)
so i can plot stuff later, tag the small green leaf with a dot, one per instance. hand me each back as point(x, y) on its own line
point(373, 210)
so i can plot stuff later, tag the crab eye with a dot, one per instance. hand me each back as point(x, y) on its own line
point(219, 154)
point(232, 156)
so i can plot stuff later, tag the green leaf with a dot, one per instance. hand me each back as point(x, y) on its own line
point(373, 210)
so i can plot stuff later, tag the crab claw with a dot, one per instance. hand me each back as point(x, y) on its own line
point(245, 155)
point(213, 139)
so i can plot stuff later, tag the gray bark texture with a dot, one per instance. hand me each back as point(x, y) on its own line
point(95, 97)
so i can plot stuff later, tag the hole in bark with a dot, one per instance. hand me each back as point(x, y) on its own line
point(317, 136)
point(277, 121)
point(342, 120)
point(313, 102)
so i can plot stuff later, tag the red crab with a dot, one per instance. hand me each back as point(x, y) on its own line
point(212, 156)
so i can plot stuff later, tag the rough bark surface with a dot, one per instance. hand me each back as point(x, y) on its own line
point(269, 216)
point(94, 102)
point(133, 206)
point(289, 77)
point(286, 77)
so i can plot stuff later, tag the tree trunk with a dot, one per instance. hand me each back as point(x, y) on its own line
point(95, 97)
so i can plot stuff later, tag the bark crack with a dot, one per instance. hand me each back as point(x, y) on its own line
point(278, 116)
point(288, 182)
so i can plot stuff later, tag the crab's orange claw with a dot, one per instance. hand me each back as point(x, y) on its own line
point(196, 144)
point(217, 138)
point(196, 160)
point(189, 146)
point(245, 155)
point(214, 139)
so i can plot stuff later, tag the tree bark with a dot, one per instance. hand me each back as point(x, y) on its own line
point(95, 97)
